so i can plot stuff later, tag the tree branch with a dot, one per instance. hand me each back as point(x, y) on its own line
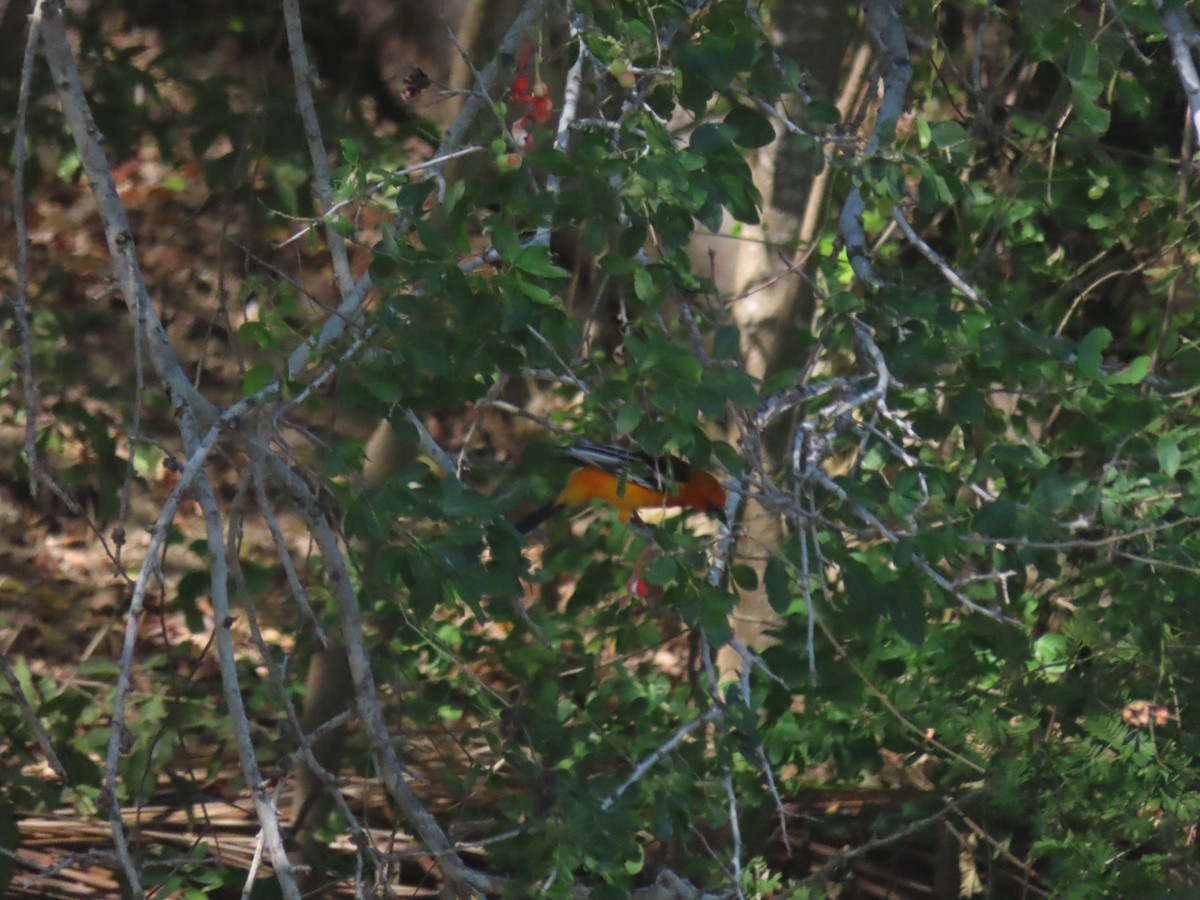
point(838, 860)
point(182, 395)
point(301, 74)
point(887, 33)
point(268, 816)
point(20, 298)
point(457, 875)
point(1178, 25)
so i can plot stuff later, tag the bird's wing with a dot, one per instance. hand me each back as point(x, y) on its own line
point(657, 473)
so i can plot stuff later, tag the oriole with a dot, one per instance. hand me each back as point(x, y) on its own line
point(631, 480)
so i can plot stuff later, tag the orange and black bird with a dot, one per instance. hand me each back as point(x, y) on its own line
point(632, 480)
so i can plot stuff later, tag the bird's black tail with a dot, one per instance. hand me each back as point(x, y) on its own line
point(536, 518)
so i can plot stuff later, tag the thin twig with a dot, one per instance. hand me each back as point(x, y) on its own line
point(924, 734)
point(478, 101)
point(84, 860)
point(458, 876)
point(31, 719)
point(218, 566)
point(390, 179)
point(887, 33)
point(735, 832)
point(570, 107)
point(712, 714)
point(511, 408)
point(301, 76)
point(1178, 25)
point(20, 298)
point(838, 860)
point(932, 255)
point(318, 382)
point(275, 673)
point(1130, 40)
point(158, 535)
point(810, 643)
point(1107, 541)
point(872, 521)
point(285, 558)
point(1002, 850)
point(431, 447)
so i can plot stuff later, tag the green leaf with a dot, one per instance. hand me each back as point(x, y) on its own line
point(674, 226)
point(735, 386)
point(709, 139)
point(97, 667)
point(778, 584)
point(1089, 354)
point(1051, 655)
point(1084, 61)
point(744, 576)
point(865, 594)
point(663, 573)
point(506, 240)
point(192, 586)
point(1095, 117)
point(726, 342)
point(1169, 457)
point(258, 333)
point(633, 238)
point(257, 377)
point(432, 240)
point(629, 416)
point(906, 610)
point(947, 135)
point(595, 238)
point(536, 261)
point(454, 195)
point(714, 619)
point(1135, 374)
point(643, 285)
point(751, 128)
point(343, 227)
point(381, 384)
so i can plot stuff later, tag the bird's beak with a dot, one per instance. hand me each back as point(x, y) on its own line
point(717, 511)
